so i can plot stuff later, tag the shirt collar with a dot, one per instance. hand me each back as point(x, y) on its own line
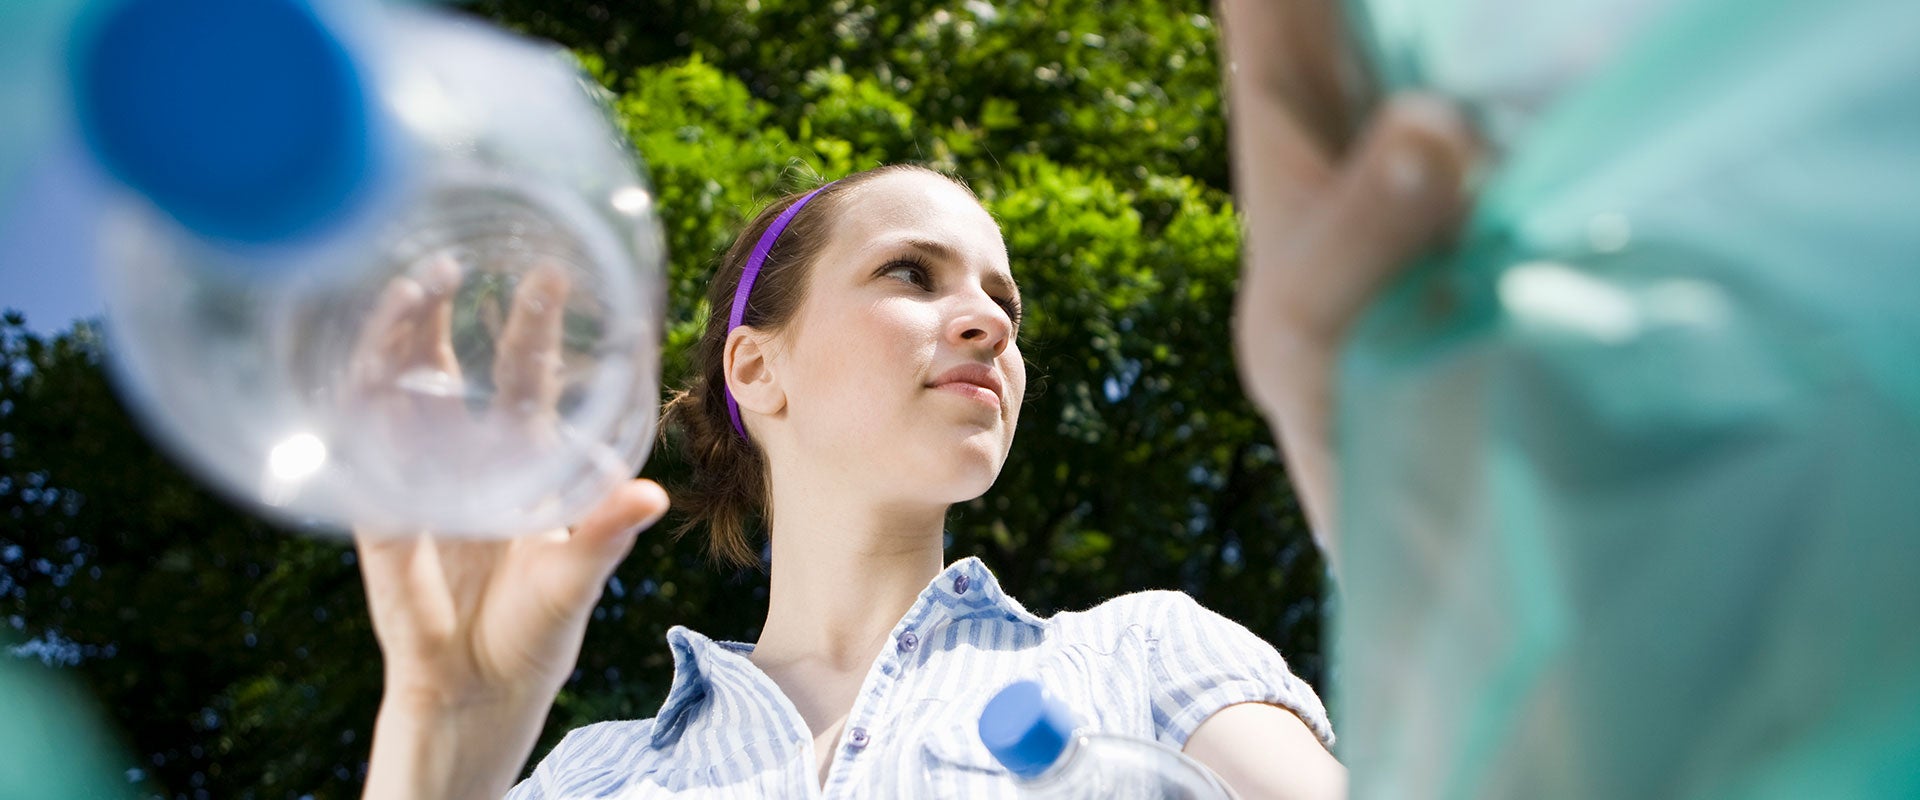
point(708, 674)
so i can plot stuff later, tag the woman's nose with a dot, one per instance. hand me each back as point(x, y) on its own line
point(982, 323)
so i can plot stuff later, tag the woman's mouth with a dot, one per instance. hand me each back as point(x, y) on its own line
point(977, 382)
point(977, 393)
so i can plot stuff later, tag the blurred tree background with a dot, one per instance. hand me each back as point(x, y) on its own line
point(237, 661)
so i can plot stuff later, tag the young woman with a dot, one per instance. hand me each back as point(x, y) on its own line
point(860, 373)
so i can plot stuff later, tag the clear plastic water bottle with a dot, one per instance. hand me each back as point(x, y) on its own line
point(382, 267)
point(1037, 738)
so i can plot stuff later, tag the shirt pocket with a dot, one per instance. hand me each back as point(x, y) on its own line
point(954, 763)
point(950, 761)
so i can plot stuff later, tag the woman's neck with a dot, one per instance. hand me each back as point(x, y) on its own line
point(844, 573)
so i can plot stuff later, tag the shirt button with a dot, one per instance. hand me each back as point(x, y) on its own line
point(960, 584)
point(857, 738)
point(908, 642)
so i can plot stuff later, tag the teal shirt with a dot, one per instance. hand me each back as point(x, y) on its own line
point(1631, 475)
point(51, 747)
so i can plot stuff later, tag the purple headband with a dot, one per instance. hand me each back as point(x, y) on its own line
point(747, 277)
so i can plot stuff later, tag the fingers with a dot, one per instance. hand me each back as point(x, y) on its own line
point(432, 338)
point(581, 562)
point(378, 350)
point(609, 529)
point(411, 330)
point(430, 372)
point(406, 592)
point(526, 368)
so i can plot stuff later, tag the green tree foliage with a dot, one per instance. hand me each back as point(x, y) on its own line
point(1131, 88)
point(237, 661)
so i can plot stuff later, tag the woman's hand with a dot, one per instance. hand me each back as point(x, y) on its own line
point(1334, 210)
point(478, 636)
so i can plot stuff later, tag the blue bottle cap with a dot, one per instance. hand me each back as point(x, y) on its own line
point(245, 120)
point(1025, 729)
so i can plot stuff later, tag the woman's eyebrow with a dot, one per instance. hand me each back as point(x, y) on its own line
point(941, 251)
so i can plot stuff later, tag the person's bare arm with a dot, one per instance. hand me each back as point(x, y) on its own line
point(1330, 217)
point(477, 637)
point(1265, 752)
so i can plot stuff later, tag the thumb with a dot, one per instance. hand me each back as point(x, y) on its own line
point(607, 533)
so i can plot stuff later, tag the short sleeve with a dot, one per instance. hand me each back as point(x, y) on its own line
point(1202, 662)
point(587, 763)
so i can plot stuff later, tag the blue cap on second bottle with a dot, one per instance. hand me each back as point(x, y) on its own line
point(1026, 729)
point(247, 121)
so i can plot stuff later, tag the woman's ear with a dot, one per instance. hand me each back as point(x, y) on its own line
point(749, 372)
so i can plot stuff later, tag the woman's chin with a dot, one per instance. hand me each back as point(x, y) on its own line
point(966, 474)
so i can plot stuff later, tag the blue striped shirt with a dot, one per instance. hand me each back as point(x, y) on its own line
point(1153, 665)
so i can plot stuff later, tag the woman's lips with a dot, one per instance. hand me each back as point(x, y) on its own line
point(975, 381)
point(971, 391)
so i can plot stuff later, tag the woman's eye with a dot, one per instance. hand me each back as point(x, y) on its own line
point(1012, 308)
point(911, 273)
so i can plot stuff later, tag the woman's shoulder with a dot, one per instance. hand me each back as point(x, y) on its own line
point(593, 760)
point(1155, 607)
point(1159, 618)
point(626, 741)
point(1147, 617)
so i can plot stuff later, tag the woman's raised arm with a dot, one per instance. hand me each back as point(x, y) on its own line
point(478, 636)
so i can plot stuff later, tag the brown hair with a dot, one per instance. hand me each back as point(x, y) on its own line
point(730, 480)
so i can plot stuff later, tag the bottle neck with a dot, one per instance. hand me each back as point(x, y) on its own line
point(1063, 771)
point(1061, 765)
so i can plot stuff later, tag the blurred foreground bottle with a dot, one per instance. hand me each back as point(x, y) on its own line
point(1034, 736)
point(1628, 500)
point(374, 265)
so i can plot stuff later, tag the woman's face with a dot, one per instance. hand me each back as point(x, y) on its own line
point(901, 371)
